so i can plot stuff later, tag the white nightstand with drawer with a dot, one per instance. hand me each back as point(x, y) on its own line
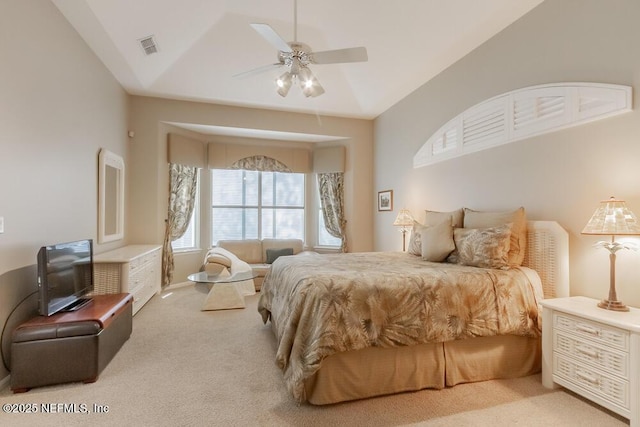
point(593, 352)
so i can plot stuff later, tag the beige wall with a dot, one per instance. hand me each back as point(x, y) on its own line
point(559, 176)
point(148, 177)
point(58, 107)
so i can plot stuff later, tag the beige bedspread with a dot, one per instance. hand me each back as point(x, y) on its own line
point(324, 304)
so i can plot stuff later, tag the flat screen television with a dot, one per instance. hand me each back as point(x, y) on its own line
point(65, 276)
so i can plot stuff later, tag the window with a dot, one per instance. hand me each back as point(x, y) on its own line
point(256, 205)
point(189, 239)
point(324, 238)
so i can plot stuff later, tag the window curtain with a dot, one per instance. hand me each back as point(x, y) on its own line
point(183, 181)
point(331, 187)
point(260, 163)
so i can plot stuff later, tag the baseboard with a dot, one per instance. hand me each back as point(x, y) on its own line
point(5, 382)
point(178, 285)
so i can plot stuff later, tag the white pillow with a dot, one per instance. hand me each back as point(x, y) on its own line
point(217, 258)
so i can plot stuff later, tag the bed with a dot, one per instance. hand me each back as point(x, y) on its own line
point(352, 326)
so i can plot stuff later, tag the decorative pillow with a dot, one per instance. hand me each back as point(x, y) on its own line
point(274, 254)
point(478, 219)
point(455, 217)
point(415, 240)
point(437, 241)
point(483, 247)
point(432, 218)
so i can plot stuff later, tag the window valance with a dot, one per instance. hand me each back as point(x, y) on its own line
point(329, 159)
point(182, 150)
point(224, 156)
point(188, 151)
point(260, 163)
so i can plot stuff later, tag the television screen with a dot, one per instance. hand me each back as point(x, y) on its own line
point(65, 275)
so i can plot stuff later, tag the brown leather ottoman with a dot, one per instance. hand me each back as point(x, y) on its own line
point(71, 348)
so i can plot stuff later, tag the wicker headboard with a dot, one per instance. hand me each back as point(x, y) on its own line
point(548, 254)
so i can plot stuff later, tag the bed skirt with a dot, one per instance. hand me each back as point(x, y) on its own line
point(379, 371)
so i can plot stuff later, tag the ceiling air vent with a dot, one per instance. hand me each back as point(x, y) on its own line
point(148, 45)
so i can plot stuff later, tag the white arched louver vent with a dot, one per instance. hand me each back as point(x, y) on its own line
point(521, 114)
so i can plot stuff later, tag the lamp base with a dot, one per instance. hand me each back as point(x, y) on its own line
point(613, 305)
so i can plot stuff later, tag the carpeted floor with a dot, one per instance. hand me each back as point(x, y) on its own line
point(185, 367)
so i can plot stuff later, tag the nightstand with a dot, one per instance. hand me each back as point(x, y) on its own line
point(593, 352)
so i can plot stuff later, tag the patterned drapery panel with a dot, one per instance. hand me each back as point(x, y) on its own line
point(183, 181)
point(331, 187)
point(260, 163)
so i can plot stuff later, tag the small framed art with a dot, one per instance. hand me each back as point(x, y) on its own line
point(385, 200)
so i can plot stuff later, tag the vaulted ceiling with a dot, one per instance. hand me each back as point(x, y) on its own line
point(202, 44)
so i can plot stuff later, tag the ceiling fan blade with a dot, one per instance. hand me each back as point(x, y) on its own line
point(352, 54)
point(272, 37)
point(257, 70)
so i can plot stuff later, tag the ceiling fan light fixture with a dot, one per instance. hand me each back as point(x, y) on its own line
point(284, 83)
point(309, 84)
point(294, 69)
point(296, 56)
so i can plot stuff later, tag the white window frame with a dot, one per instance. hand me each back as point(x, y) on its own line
point(259, 208)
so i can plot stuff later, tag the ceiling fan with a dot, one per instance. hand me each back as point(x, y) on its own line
point(297, 57)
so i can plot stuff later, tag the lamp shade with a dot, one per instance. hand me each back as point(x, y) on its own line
point(613, 217)
point(309, 84)
point(404, 218)
point(284, 83)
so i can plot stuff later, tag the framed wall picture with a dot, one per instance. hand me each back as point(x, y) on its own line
point(385, 200)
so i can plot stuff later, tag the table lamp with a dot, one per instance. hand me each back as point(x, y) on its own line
point(404, 220)
point(613, 218)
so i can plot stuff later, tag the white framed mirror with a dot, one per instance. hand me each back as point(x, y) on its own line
point(110, 197)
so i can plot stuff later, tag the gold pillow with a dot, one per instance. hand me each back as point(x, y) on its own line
point(437, 242)
point(518, 219)
point(434, 217)
point(483, 247)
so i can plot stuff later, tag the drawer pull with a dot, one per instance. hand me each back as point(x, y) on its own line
point(588, 378)
point(588, 330)
point(591, 353)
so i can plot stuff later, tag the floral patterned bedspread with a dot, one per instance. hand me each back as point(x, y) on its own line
point(324, 304)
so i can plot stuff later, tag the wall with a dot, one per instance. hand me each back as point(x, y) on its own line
point(148, 178)
point(560, 176)
point(58, 106)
